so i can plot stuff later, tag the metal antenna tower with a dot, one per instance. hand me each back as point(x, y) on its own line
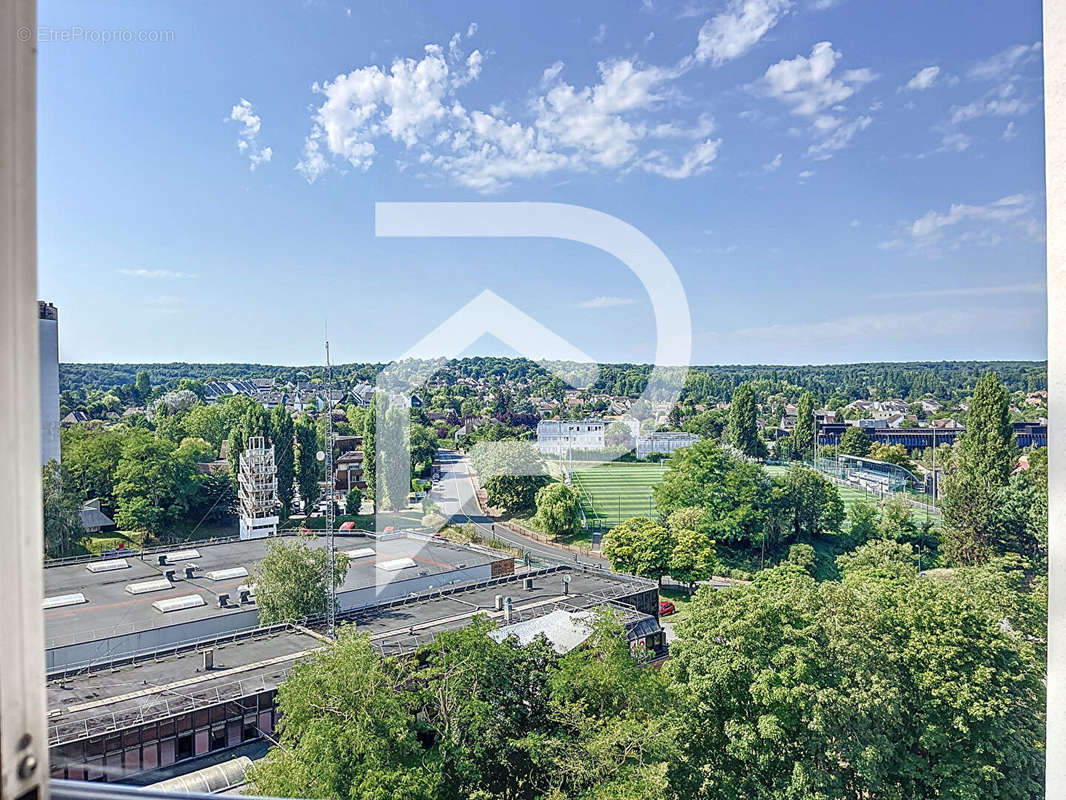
point(331, 599)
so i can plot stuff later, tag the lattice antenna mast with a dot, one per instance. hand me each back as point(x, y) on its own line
point(331, 600)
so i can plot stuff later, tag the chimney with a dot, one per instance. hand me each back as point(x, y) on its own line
point(507, 610)
point(209, 660)
point(566, 584)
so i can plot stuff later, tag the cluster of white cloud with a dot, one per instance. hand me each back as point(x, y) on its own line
point(1003, 99)
point(808, 86)
point(606, 301)
point(155, 273)
point(734, 31)
point(248, 136)
point(965, 224)
point(924, 78)
point(415, 103)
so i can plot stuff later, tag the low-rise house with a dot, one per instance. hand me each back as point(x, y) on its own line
point(93, 520)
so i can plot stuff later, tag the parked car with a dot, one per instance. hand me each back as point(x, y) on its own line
point(666, 608)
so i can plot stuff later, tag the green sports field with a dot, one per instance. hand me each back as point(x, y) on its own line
point(614, 492)
point(849, 494)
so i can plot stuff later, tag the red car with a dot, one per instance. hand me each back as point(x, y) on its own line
point(666, 608)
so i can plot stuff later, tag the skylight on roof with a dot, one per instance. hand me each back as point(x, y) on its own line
point(226, 574)
point(179, 603)
point(61, 600)
point(362, 552)
point(108, 566)
point(397, 564)
point(183, 555)
point(149, 586)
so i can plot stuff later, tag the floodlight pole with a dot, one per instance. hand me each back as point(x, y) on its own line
point(331, 600)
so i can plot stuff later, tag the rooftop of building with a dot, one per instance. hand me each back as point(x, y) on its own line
point(111, 608)
point(91, 702)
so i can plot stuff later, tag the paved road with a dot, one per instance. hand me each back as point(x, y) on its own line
point(456, 498)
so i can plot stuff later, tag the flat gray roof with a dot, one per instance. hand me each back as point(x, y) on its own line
point(93, 702)
point(110, 609)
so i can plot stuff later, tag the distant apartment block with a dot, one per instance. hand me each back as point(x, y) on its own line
point(557, 437)
point(666, 442)
point(48, 343)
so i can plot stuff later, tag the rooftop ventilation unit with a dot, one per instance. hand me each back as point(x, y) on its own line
point(362, 552)
point(223, 600)
point(108, 566)
point(190, 571)
point(527, 583)
point(226, 574)
point(149, 586)
point(397, 564)
point(169, 574)
point(61, 600)
point(183, 555)
point(247, 587)
point(178, 603)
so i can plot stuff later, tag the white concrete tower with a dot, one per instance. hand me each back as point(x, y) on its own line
point(48, 336)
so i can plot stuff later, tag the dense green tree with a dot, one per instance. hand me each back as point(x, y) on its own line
point(693, 557)
point(984, 458)
point(292, 580)
point(709, 424)
point(808, 503)
point(283, 436)
point(734, 495)
point(143, 390)
point(62, 506)
point(803, 434)
point(370, 448)
point(91, 460)
point(743, 429)
point(854, 442)
point(880, 686)
point(558, 509)
point(803, 556)
point(862, 519)
point(347, 731)
point(891, 454)
point(156, 486)
point(639, 546)
point(308, 469)
point(352, 501)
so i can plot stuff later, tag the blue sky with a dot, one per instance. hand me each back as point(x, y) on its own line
point(833, 181)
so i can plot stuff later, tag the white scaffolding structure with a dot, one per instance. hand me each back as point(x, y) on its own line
point(257, 490)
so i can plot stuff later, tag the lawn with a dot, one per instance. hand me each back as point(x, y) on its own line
point(849, 494)
point(612, 493)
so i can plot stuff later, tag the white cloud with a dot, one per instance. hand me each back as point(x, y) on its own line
point(1001, 63)
point(1000, 102)
point(471, 29)
point(855, 223)
point(773, 163)
point(606, 301)
point(923, 79)
point(734, 31)
point(970, 225)
point(1009, 132)
point(601, 33)
point(156, 273)
point(838, 138)
point(972, 291)
point(808, 86)
point(807, 173)
point(898, 325)
point(955, 142)
point(248, 136)
point(415, 105)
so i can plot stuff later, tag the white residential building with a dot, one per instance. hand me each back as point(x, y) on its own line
point(666, 442)
point(557, 437)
